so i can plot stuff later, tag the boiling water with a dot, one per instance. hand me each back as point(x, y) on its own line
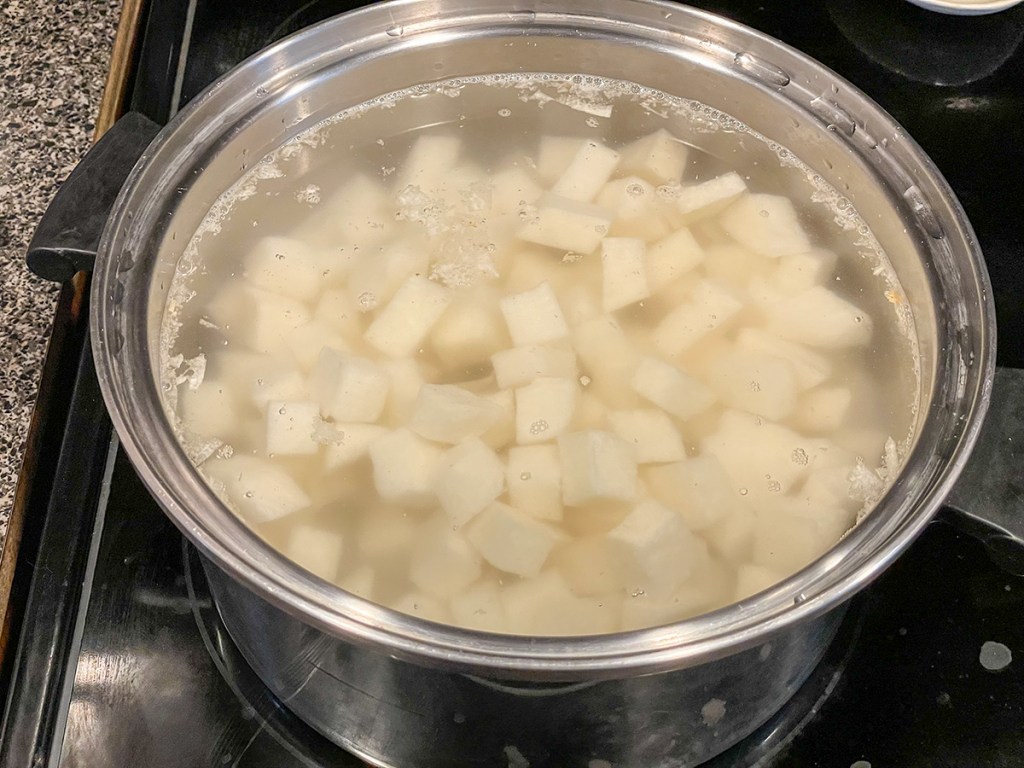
point(430, 183)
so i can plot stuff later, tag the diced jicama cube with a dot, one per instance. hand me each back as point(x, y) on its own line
point(512, 541)
point(503, 430)
point(404, 468)
point(447, 413)
point(732, 536)
point(786, 543)
point(568, 225)
point(290, 428)
point(554, 153)
point(288, 266)
point(659, 157)
point(423, 607)
point(386, 534)
point(354, 444)
point(819, 318)
point(638, 210)
point(733, 265)
point(544, 409)
point(590, 413)
point(464, 188)
point(763, 458)
point(589, 170)
point(710, 307)
point(470, 332)
point(754, 382)
point(349, 388)
point(512, 190)
point(809, 368)
point(528, 268)
point(651, 433)
point(544, 605)
point(534, 479)
point(623, 274)
point(590, 565)
point(607, 357)
point(823, 409)
point(306, 341)
point(596, 466)
point(656, 547)
point(259, 489)
point(698, 488)
point(406, 379)
point(765, 224)
point(752, 579)
point(470, 477)
point(443, 562)
point(354, 218)
point(672, 257)
point(534, 317)
point(338, 309)
point(580, 302)
point(400, 328)
point(318, 550)
point(359, 581)
point(209, 410)
point(800, 271)
point(430, 159)
point(709, 197)
point(376, 276)
point(480, 608)
point(257, 319)
point(520, 365)
point(670, 389)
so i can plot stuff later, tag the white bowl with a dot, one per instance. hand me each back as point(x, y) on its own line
point(966, 7)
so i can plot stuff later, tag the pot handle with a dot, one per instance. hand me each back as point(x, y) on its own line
point(987, 501)
point(67, 238)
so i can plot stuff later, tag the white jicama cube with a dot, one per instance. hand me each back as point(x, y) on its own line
point(580, 302)
point(755, 382)
point(358, 581)
point(596, 466)
point(259, 489)
point(589, 170)
point(470, 477)
point(733, 535)
point(672, 257)
point(638, 210)
point(529, 268)
point(512, 541)
point(480, 608)
point(318, 550)
point(657, 547)
point(765, 224)
point(534, 479)
point(404, 468)
point(819, 318)
point(400, 328)
point(376, 276)
point(607, 356)
point(386, 534)
point(710, 307)
point(503, 430)
point(258, 319)
point(733, 265)
point(752, 579)
point(786, 543)
point(800, 271)
point(809, 367)
point(545, 606)
point(823, 409)
point(544, 409)
point(288, 266)
point(591, 413)
point(659, 157)
point(210, 410)
point(623, 274)
point(354, 444)
point(470, 332)
point(554, 153)
point(355, 217)
point(338, 309)
point(590, 565)
point(534, 317)
point(406, 379)
point(443, 562)
point(670, 389)
point(447, 413)
point(702, 200)
point(430, 159)
point(290, 428)
point(567, 225)
point(306, 342)
point(698, 488)
point(651, 433)
point(512, 189)
point(349, 388)
point(520, 365)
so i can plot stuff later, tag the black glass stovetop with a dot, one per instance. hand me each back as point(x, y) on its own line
point(122, 661)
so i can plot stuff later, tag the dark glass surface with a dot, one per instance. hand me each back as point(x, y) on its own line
point(158, 682)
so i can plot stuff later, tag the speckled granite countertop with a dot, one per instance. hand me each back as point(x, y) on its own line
point(53, 64)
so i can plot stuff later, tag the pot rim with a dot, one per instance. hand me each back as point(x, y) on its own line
point(177, 486)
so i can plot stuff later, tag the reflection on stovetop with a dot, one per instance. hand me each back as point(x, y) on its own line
point(160, 683)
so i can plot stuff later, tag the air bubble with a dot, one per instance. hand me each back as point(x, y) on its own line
point(395, 30)
point(538, 427)
point(525, 476)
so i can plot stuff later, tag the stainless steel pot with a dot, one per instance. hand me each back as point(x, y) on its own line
point(406, 692)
